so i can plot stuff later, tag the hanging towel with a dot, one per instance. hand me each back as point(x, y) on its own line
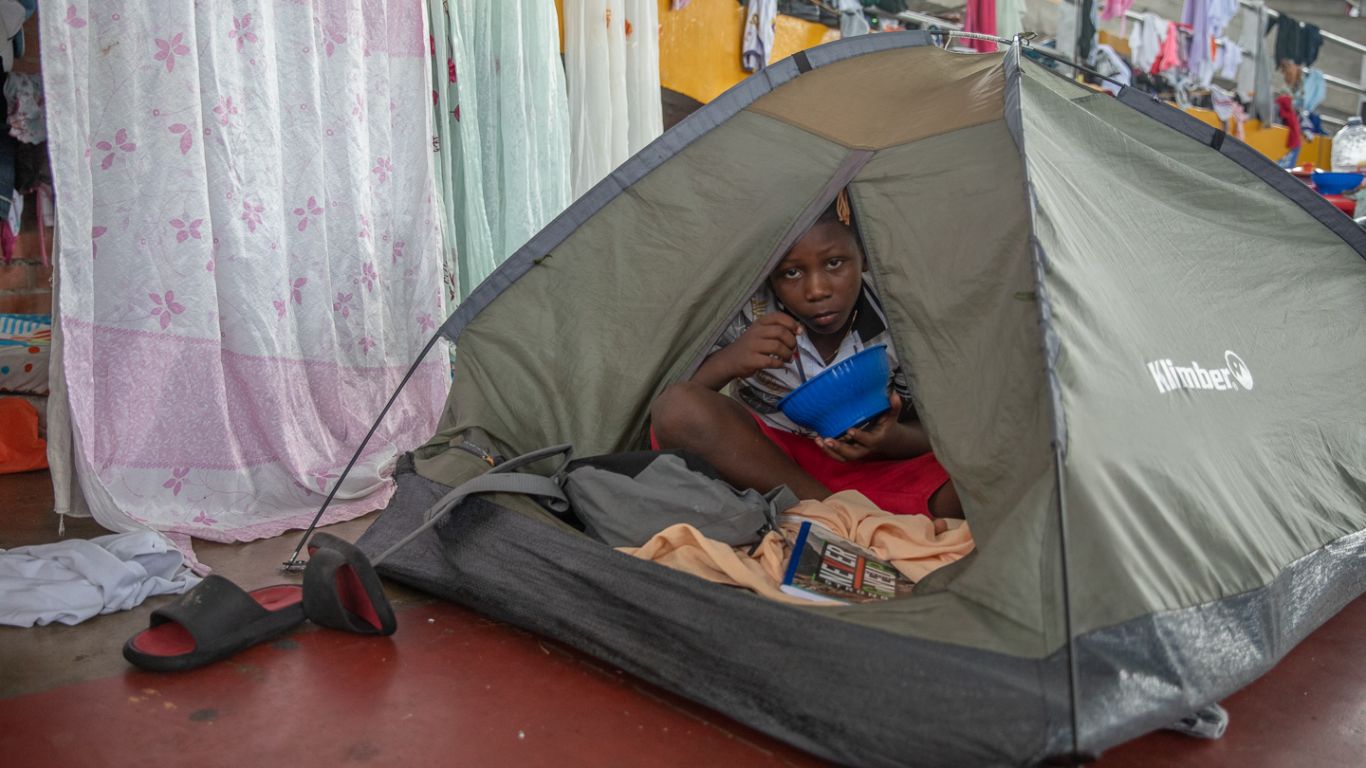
point(1167, 56)
point(1009, 17)
point(1145, 41)
point(1228, 59)
point(1088, 21)
point(757, 46)
point(852, 20)
point(981, 18)
point(1286, 110)
point(1248, 39)
point(595, 69)
point(644, 110)
point(1196, 14)
point(1262, 92)
point(70, 581)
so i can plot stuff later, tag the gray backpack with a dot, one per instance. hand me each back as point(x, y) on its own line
point(623, 499)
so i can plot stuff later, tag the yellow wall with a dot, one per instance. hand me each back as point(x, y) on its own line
point(1271, 141)
point(699, 46)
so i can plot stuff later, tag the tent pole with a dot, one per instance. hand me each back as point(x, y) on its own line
point(1072, 695)
point(294, 563)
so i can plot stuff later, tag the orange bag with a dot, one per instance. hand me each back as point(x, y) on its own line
point(20, 447)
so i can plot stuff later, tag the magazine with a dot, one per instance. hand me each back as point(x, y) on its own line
point(827, 568)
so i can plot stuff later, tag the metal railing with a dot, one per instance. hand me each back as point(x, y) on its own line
point(1358, 87)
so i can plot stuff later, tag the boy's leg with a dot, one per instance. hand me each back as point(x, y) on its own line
point(945, 502)
point(694, 418)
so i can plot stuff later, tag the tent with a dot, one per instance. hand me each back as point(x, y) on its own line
point(1136, 345)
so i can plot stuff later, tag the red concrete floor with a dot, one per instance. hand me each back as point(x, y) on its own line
point(454, 688)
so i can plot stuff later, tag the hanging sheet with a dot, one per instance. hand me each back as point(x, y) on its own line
point(502, 130)
point(250, 255)
point(611, 60)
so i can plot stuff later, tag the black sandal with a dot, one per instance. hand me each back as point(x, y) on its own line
point(213, 621)
point(342, 590)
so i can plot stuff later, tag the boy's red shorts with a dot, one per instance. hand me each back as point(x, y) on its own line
point(899, 486)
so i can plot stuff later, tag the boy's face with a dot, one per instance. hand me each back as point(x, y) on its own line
point(820, 278)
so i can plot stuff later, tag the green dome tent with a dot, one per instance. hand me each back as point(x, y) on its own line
point(1138, 349)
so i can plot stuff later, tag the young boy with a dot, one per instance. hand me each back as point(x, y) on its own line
point(815, 305)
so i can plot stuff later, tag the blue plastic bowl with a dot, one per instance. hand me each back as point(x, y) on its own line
point(1335, 183)
point(844, 395)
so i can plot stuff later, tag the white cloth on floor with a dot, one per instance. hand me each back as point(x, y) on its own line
point(70, 581)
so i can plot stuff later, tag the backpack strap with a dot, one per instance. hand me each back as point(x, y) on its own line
point(501, 479)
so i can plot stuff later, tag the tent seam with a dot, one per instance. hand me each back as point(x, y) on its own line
point(1014, 97)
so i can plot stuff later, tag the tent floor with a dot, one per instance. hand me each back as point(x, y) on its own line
point(453, 687)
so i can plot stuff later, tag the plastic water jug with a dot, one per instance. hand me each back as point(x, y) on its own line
point(1349, 147)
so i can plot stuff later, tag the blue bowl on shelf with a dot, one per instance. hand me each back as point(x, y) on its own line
point(842, 396)
point(1335, 183)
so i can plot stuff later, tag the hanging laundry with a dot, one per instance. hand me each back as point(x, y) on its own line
point(852, 20)
point(24, 98)
point(595, 68)
point(1223, 103)
point(1167, 55)
point(1295, 40)
point(1145, 41)
point(1221, 12)
point(1067, 31)
point(1312, 90)
point(1115, 9)
point(502, 117)
point(981, 18)
point(1286, 110)
point(1106, 60)
point(1248, 40)
point(1311, 39)
point(1010, 18)
point(1227, 58)
point(644, 109)
point(13, 14)
point(1088, 20)
point(1195, 13)
point(757, 46)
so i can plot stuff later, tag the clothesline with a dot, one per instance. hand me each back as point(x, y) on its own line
point(1275, 14)
point(1327, 78)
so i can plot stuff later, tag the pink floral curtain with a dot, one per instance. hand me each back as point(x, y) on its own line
point(250, 253)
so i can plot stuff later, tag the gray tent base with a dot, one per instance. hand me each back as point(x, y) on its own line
point(770, 665)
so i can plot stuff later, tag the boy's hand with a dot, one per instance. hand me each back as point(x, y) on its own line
point(769, 343)
point(875, 442)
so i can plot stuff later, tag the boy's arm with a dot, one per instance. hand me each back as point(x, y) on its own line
point(889, 438)
point(713, 373)
point(768, 343)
